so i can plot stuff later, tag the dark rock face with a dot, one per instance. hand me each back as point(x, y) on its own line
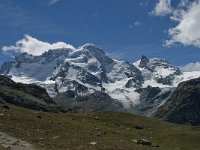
point(133, 83)
point(183, 106)
point(144, 61)
point(150, 98)
point(29, 96)
point(31, 89)
point(98, 53)
point(167, 80)
point(97, 101)
point(6, 66)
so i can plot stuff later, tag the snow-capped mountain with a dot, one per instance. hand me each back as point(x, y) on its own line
point(157, 71)
point(88, 69)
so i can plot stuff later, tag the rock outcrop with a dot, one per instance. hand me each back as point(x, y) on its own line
point(183, 106)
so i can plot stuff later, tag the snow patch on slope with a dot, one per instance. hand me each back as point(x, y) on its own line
point(127, 96)
point(186, 76)
point(49, 85)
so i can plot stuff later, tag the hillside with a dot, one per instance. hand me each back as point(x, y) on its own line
point(26, 95)
point(183, 106)
point(90, 131)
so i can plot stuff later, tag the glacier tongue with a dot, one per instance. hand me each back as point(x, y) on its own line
point(127, 96)
point(88, 69)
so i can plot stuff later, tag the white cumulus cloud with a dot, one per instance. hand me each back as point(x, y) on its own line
point(191, 67)
point(33, 46)
point(163, 7)
point(187, 32)
point(187, 16)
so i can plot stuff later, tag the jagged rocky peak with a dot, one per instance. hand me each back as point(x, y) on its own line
point(157, 69)
point(22, 56)
point(93, 49)
point(143, 61)
point(5, 67)
point(25, 57)
point(164, 71)
point(154, 63)
point(57, 52)
point(51, 53)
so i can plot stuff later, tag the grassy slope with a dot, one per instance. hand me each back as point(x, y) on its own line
point(1, 148)
point(58, 131)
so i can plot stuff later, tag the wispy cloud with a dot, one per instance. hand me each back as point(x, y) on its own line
point(143, 4)
point(52, 2)
point(191, 67)
point(135, 24)
point(13, 14)
point(21, 19)
point(162, 8)
point(117, 55)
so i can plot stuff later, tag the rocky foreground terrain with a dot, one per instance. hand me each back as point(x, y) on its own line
point(27, 128)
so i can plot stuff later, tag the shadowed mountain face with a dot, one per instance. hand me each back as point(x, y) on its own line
point(25, 95)
point(183, 106)
point(97, 101)
point(139, 87)
point(31, 89)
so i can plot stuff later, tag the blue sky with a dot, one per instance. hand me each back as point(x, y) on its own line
point(125, 29)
